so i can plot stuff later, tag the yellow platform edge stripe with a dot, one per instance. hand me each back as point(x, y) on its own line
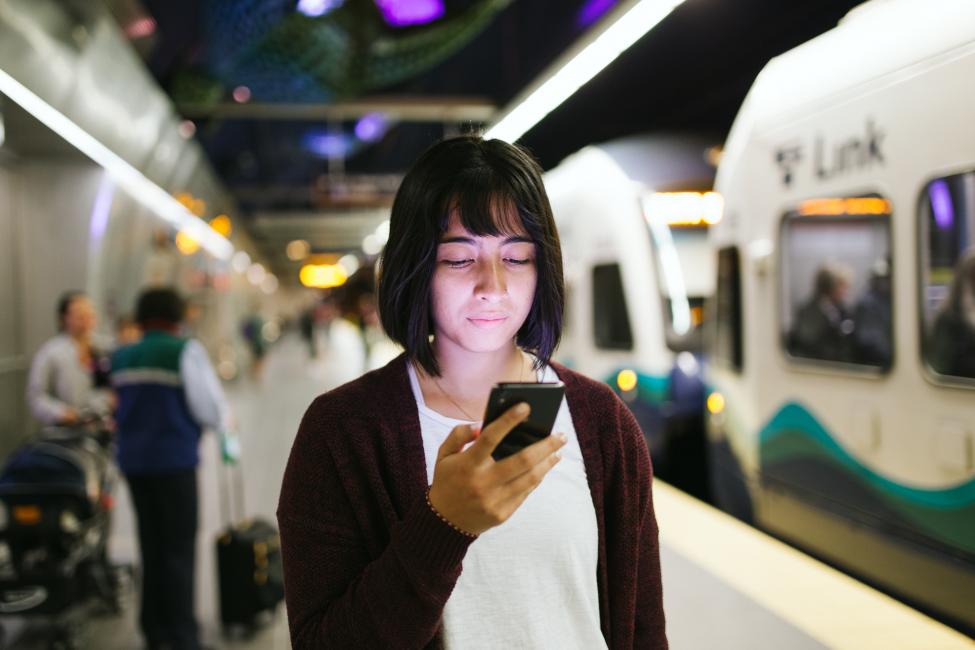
point(831, 607)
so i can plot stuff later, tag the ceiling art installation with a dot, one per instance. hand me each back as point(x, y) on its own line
point(327, 49)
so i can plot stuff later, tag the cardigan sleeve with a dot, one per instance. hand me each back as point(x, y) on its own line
point(649, 629)
point(337, 594)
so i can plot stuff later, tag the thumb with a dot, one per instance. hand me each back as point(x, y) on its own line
point(456, 441)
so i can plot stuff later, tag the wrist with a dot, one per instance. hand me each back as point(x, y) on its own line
point(445, 520)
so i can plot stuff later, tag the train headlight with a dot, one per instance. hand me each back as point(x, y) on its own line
point(69, 522)
point(715, 403)
point(626, 380)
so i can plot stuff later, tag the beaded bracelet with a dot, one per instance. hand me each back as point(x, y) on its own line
point(446, 521)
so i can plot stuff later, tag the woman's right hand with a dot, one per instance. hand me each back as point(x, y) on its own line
point(473, 491)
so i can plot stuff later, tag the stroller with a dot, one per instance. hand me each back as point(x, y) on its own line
point(56, 502)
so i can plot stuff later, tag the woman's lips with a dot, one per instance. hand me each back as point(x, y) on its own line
point(487, 321)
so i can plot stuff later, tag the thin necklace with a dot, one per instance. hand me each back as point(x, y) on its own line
point(521, 374)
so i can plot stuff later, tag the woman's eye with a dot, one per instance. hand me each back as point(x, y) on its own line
point(457, 264)
point(518, 262)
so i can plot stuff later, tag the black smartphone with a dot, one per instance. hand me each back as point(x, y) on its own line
point(544, 400)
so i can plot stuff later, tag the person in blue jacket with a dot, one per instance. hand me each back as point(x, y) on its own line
point(168, 393)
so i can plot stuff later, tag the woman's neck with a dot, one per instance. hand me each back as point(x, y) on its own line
point(82, 339)
point(466, 379)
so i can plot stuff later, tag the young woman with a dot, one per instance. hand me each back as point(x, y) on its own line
point(67, 376)
point(398, 529)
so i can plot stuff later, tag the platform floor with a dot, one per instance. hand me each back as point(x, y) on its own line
point(733, 593)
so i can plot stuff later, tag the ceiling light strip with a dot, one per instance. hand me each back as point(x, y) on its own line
point(622, 32)
point(134, 182)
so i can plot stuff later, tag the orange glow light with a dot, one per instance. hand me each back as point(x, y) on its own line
point(838, 207)
point(685, 209)
point(186, 244)
point(27, 515)
point(222, 224)
point(322, 276)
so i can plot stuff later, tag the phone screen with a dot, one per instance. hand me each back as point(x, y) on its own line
point(544, 400)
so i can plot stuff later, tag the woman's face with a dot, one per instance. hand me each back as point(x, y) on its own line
point(79, 319)
point(483, 287)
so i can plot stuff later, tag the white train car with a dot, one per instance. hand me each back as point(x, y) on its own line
point(632, 217)
point(842, 415)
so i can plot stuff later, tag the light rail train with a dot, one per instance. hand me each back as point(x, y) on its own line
point(633, 217)
point(842, 374)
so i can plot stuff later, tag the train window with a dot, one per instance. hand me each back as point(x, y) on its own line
point(835, 276)
point(727, 310)
point(611, 322)
point(947, 225)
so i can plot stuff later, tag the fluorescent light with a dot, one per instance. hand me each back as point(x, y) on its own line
point(680, 308)
point(125, 175)
point(629, 26)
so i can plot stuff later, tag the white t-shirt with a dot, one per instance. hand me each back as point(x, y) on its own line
point(530, 582)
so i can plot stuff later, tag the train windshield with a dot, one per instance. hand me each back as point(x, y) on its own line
point(678, 223)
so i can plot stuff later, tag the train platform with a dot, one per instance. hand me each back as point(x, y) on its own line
point(726, 585)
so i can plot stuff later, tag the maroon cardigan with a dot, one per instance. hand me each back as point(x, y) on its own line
point(367, 564)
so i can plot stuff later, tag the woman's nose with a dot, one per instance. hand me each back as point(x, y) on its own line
point(490, 280)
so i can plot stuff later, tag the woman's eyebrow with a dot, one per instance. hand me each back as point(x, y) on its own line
point(460, 239)
point(457, 240)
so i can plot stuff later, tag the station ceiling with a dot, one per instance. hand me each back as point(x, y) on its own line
point(276, 90)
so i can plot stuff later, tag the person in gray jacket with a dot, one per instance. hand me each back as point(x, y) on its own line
point(63, 384)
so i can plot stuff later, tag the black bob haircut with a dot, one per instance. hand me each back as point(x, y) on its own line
point(160, 307)
point(489, 183)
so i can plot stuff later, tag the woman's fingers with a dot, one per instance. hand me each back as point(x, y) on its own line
point(516, 491)
point(493, 433)
point(525, 460)
point(459, 436)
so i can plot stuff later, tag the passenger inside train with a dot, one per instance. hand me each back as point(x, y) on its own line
point(952, 340)
point(823, 326)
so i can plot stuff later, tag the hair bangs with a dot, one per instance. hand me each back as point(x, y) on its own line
point(486, 207)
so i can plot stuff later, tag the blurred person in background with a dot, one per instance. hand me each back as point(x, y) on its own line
point(68, 378)
point(168, 393)
point(252, 329)
point(952, 342)
point(306, 326)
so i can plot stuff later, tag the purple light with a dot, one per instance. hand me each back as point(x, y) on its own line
point(100, 211)
point(944, 211)
point(401, 13)
point(329, 145)
point(316, 8)
point(592, 11)
point(371, 127)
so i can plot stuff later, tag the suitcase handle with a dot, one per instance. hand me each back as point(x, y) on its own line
point(231, 497)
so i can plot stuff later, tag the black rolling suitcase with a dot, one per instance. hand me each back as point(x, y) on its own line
point(249, 569)
point(249, 566)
